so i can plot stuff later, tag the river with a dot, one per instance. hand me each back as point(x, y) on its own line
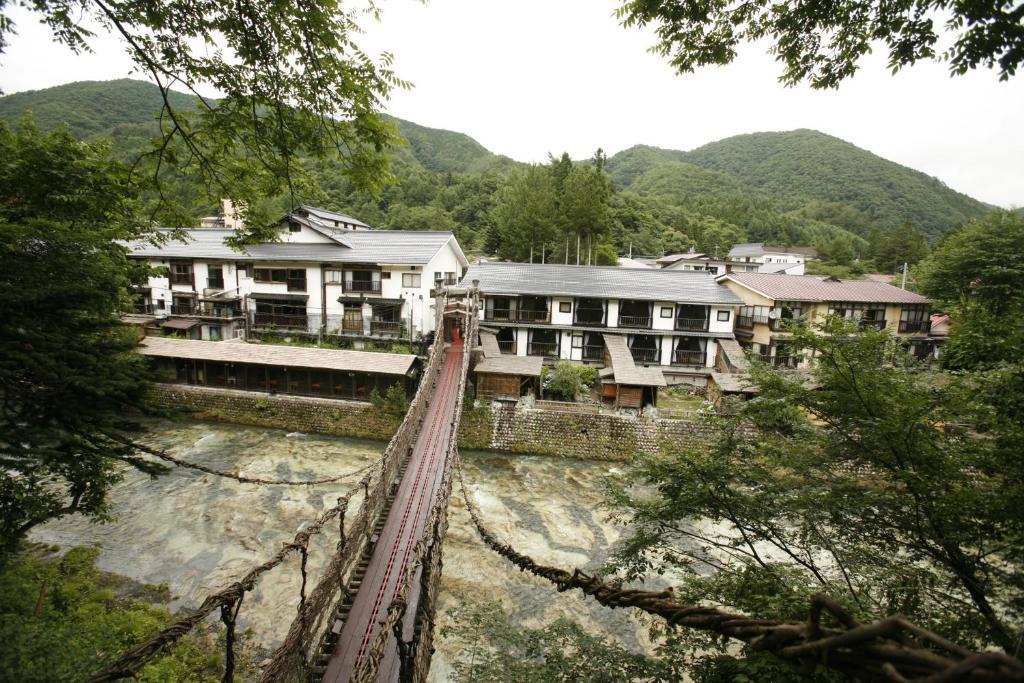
point(197, 532)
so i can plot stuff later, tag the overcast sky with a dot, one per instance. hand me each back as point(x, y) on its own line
point(535, 76)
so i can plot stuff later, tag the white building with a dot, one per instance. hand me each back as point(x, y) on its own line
point(786, 260)
point(669, 320)
point(328, 274)
point(704, 262)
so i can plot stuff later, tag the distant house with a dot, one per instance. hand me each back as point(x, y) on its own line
point(703, 262)
point(646, 327)
point(773, 300)
point(788, 260)
point(329, 274)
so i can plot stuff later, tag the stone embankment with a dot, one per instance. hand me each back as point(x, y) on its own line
point(501, 427)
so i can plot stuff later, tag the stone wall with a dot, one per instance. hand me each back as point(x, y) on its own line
point(499, 427)
point(294, 413)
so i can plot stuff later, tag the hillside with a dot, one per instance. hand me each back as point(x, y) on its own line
point(802, 167)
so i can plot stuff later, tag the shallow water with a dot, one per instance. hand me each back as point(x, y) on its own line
point(198, 532)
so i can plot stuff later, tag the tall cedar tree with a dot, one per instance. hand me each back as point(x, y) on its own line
point(68, 377)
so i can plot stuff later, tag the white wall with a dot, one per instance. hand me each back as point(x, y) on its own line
point(722, 326)
point(557, 317)
point(663, 323)
point(613, 313)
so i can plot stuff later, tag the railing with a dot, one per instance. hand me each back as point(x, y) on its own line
point(593, 352)
point(501, 314)
point(915, 326)
point(352, 325)
point(215, 284)
point(589, 317)
point(143, 308)
point(646, 355)
point(181, 278)
point(635, 321)
point(761, 319)
point(547, 349)
point(385, 327)
point(280, 320)
point(692, 324)
point(745, 321)
point(507, 345)
point(178, 309)
point(218, 312)
point(779, 361)
point(781, 324)
point(687, 357)
point(528, 316)
point(364, 286)
point(877, 324)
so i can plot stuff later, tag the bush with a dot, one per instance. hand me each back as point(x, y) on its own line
point(393, 402)
point(568, 381)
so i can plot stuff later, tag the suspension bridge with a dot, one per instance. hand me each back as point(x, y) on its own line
point(370, 615)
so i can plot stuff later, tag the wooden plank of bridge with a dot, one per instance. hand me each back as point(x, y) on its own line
point(403, 528)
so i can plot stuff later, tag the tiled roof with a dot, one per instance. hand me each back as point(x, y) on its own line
point(815, 288)
point(326, 215)
point(273, 354)
point(758, 248)
point(399, 247)
point(599, 282)
point(625, 368)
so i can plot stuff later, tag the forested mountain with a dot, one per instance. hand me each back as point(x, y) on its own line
point(784, 188)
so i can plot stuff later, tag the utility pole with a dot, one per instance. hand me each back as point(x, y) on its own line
point(903, 284)
point(630, 249)
point(577, 249)
point(531, 253)
point(543, 254)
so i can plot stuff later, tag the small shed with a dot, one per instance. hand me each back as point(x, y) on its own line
point(625, 383)
point(500, 375)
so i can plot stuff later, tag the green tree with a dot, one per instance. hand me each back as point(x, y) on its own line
point(822, 43)
point(838, 250)
point(585, 207)
point(295, 85)
point(870, 481)
point(890, 250)
point(70, 380)
point(567, 381)
point(526, 214)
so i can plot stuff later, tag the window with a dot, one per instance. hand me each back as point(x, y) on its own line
point(181, 273)
point(271, 275)
point(332, 276)
point(577, 341)
point(215, 333)
point(159, 304)
point(449, 278)
point(385, 275)
point(244, 269)
point(297, 280)
point(294, 227)
point(565, 307)
point(723, 316)
point(438, 277)
point(666, 311)
point(410, 279)
point(215, 277)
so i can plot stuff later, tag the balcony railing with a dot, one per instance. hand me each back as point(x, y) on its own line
point(781, 324)
point(745, 322)
point(645, 355)
point(507, 345)
point(589, 317)
point(362, 286)
point(143, 308)
point(280, 320)
point(877, 324)
point(687, 357)
point(179, 309)
point(761, 319)
point(593, 352)
point(915, 326)
point(643, 321)
point(779, 361)
point(501, 314)
point(692, 324)
point(547, 349)
point(528, 316)
point(218, 312)
point(385, 327)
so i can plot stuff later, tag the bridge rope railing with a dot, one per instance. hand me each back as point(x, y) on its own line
point(893, 649)
point(291, 660)
point(426, 560)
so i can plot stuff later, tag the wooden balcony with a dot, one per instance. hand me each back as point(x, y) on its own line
point(687, 357)
point(869, 324)
point(635, 321)
point(178, 309)
point(507, 346)
point(218, 312)
point(362, 286)
point(779, 361)
point(546, 349)
point(352, 325)
point(692, 324)
point(745, 322)
point(593, 352)
point(915, 326)
point(528, 316)
point(646, 355)
point(500, 314)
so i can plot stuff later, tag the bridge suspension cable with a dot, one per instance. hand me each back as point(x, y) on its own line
point(892, 649)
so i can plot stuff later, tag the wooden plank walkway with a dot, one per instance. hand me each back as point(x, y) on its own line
point(404, 526)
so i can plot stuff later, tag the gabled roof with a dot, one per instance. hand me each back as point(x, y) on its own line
point(601, 282)
point(782, 287)
point(758, 249)
point(393, 247)
point(331, 216)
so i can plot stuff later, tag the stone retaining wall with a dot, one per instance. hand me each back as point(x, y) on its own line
point(294, 413)
point(500, 427)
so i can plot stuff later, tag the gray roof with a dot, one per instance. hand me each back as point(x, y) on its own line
point(273, 354)
point(324, 214)
point(625, 368)
point(782, 287)
point(603, 282)
point(367, 246)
